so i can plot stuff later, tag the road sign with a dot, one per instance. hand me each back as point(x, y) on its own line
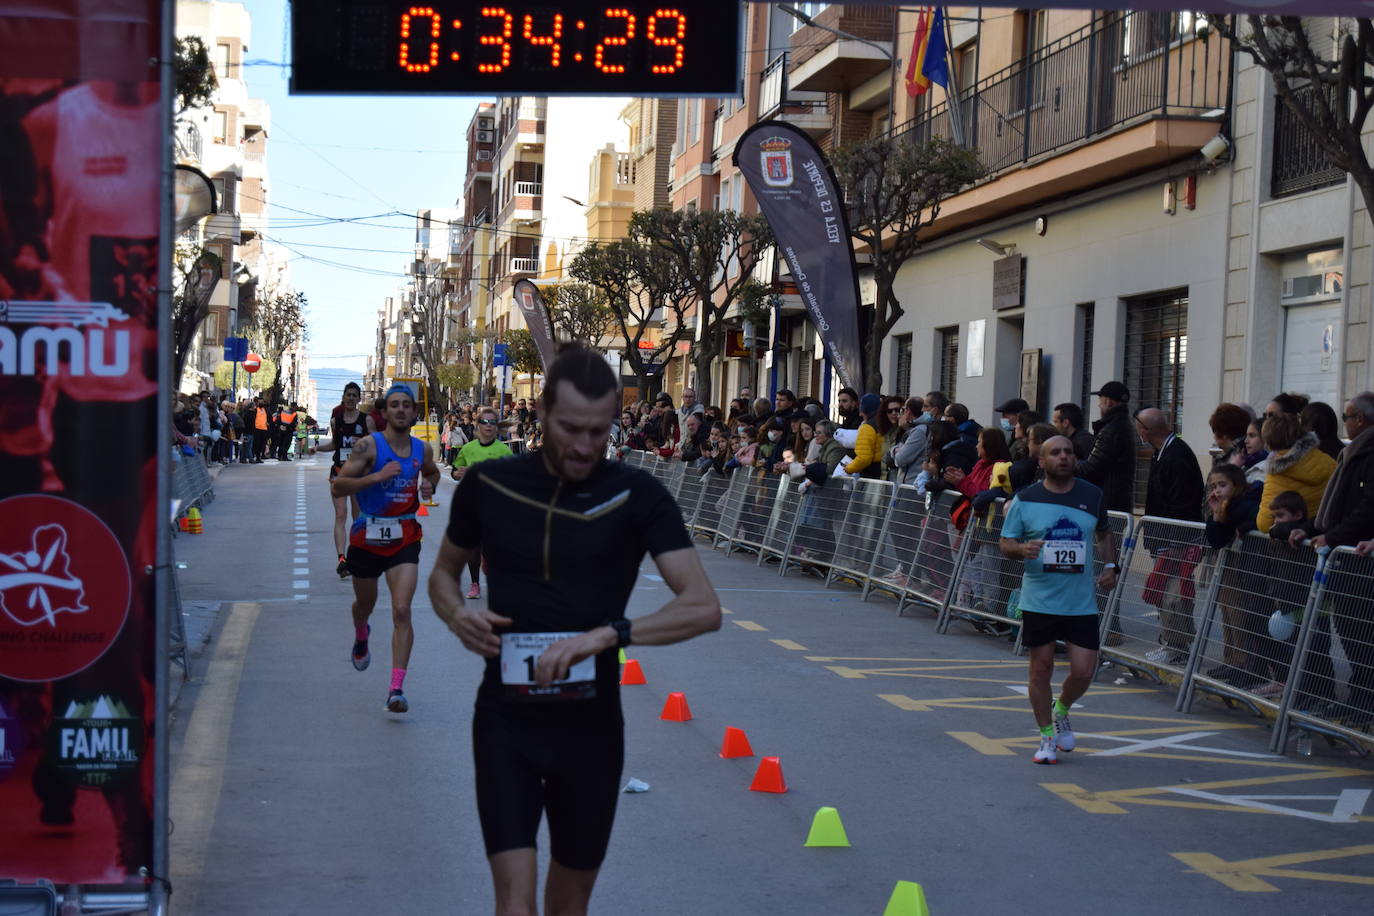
point(252, 362)
point(499, 354)
point(235, 349)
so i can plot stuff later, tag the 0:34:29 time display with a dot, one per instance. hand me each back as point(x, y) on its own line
point(491, 39)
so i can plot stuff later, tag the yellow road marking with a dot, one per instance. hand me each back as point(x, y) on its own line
point(1244, 875)
point(198, 770)
point(749, 625)
point(993, 747)
point(789, 644)
point(726, 610)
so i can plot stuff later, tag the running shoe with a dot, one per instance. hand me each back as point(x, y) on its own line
point(396, 702)
point(474, 591)
point(1047, 753)
point(342, 568)
point(1063, 733)
point(361, 656)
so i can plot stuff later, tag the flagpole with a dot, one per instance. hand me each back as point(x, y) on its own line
point(952, 92)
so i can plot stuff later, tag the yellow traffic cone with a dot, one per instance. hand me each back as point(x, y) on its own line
point(826, 829)
point(194, 522)
point(907, 900)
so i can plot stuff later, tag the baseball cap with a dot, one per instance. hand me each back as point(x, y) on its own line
point(1015, 405)
point(1114, 390)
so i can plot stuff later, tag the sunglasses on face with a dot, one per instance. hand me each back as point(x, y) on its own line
point(894, 410)
point(486, 422)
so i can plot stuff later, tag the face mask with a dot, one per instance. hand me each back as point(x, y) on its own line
point(1006, 425)
point(773, 435)
point(740, 431)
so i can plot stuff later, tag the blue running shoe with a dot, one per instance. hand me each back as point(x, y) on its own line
point(361, 656)
point(396, 702)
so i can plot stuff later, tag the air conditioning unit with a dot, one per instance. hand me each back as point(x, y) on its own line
point(1312, 285)
point(484, 155)
point(484, 136)
point(484, 123)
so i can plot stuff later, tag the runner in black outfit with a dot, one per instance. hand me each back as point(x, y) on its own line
point(547, 729)
point(347, 425)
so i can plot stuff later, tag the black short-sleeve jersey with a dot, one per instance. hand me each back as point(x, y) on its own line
point(562, 556)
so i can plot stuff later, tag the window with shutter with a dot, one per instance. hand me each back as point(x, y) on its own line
point(1085, 372)
point(903, 388)
point(1156, 358)
point(949, 362)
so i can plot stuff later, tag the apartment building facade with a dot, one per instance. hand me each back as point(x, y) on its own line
point(226, 140)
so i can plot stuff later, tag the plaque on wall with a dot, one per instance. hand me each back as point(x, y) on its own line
point(1009, 282)
point(1031, 363)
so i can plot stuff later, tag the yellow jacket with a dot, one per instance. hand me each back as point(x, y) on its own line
point(868, 451)
point(1305, 469)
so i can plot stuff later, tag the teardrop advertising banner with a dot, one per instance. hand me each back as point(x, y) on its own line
point(536, 311)
point(80, 229)
point(798, 194)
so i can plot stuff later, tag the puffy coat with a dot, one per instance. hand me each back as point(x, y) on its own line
point(1111, 464)
point(868, 453)
point(1304, 468)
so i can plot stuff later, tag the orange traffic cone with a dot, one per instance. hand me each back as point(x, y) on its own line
point(184, 523)
point(675, 710)
point(633, 674)
point(736, 744)
point(768, 777)
point(422, 512)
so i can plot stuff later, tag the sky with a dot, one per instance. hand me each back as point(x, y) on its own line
point(342, 173)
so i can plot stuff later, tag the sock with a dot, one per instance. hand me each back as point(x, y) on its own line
point(398, 677)
point(1059, 708)
point(1047, 731)
point(360, 632)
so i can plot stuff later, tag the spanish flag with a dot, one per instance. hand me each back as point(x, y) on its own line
point(929, 54)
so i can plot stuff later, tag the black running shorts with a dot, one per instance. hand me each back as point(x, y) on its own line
point(364, 564)
point(559, 758)
point(1079, 629)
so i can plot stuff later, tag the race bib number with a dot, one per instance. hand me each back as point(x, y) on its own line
point(520, 655)
point(345, 453)
point(1063, 556)
point(383, 531)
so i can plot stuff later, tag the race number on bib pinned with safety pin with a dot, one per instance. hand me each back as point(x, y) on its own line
point(1063, 556)
point(519, 657)
point(383, 531)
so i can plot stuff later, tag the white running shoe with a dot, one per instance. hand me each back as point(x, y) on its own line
point(1063, 733)
point(1047, 753)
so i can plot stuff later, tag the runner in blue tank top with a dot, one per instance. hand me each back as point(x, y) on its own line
point(389, 472)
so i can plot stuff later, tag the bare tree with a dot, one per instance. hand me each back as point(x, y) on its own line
point(642, 286)
point(894, 189)
point(1329, 91)
point(475, 345)
point(580, 312)
point(278, 325)
point(429, 322)
point(716, 253)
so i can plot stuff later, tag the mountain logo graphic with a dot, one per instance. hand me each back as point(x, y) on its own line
point(37, 585)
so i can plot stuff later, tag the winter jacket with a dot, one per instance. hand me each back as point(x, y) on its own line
point(1239, 521)
point(1351, 514)
point(832, 453)
point(1175, 491)
point(1304, 468)
point(1082, 443)
point(911, 454)
point(868, 453)
point(968, 432)
point(1111, 464)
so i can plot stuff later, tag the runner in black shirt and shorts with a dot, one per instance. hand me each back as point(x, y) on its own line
point(347, 424)
point(547, 729)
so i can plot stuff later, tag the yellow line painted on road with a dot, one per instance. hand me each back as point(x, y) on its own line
point(789, 644)
point(1244, 875)
point(726, 610)
point(750, 625)
point(198, 770)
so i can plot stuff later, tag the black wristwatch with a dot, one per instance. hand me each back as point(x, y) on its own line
point(622, 631)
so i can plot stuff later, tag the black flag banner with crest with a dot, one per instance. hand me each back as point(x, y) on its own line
point(798, 194)
point(536, 312)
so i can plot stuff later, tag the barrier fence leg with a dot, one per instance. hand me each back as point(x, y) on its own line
point(878, 551)
point(915, 559)
point(734, 509)
point(1188, 689)
point(774, 515)
point(960, 561)
point(830, 574)
point(1278, 742)
point(792, 535)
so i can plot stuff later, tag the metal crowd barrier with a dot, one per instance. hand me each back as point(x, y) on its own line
point(191, 483)
point(860, 530)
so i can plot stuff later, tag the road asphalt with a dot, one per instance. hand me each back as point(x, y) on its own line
point(294, 792)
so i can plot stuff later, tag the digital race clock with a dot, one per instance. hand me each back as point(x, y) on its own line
point(669, 47)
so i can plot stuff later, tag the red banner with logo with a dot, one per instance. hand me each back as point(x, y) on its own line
point(81, 143)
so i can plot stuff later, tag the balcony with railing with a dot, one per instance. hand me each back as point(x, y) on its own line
point(826, 62)
point(806, 110)
point(1098, 105)
point(529, 188)
point(1300, 164)
point(524, 265)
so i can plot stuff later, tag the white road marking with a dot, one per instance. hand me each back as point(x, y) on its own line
point(1171, 742)
point(1025, 692)
point(1347, 808)
point(301, 583)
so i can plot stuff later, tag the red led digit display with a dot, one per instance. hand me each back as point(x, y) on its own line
point(578, 47)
